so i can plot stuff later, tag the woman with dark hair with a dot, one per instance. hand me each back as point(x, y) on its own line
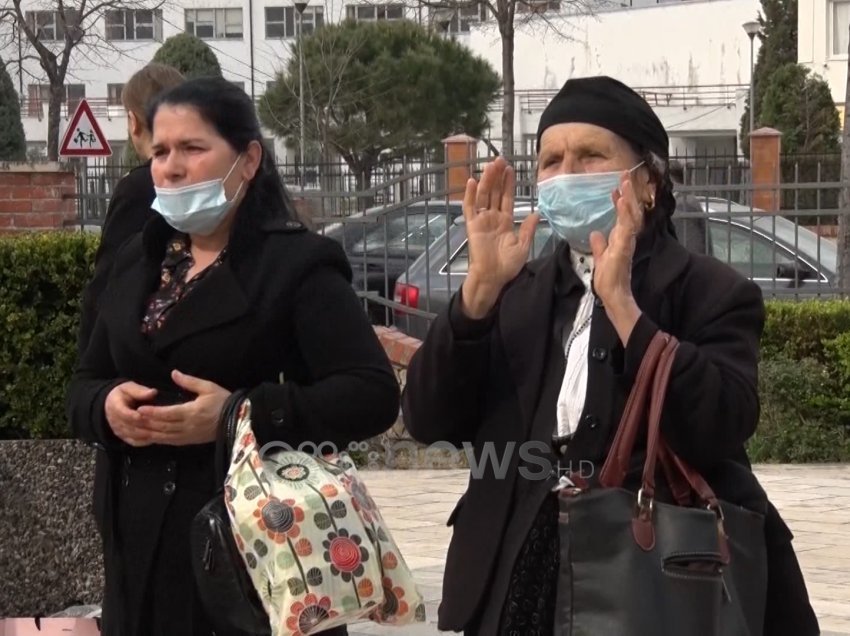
point(547, 352)
point(223, 290)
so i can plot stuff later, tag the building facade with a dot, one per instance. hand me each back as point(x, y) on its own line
point(823, 41)
point(690, 58)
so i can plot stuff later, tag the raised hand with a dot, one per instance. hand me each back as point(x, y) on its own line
point(612, 260)
point(497, 252)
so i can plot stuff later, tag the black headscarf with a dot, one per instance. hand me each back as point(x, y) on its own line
point(610, 104)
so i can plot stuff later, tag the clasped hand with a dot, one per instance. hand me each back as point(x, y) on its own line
point(138, 423)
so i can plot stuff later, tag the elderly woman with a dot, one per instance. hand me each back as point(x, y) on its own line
point(548, 351)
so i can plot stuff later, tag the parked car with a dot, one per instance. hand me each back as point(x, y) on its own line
point(383, 242)
point(434, 277)
point(783, 258)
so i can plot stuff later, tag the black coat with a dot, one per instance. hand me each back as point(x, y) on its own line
point(129, 210)
point(494, 382)
point(280, 308)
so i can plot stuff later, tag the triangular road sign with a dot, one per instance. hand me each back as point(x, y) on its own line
point(84, 138)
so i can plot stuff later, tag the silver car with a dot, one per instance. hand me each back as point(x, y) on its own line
point(785, 259)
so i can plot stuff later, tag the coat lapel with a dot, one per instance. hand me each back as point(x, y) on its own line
point(214, 301)
point(525, 323)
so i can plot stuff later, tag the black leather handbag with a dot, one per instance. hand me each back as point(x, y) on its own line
point(631, 565)
point(225, 589)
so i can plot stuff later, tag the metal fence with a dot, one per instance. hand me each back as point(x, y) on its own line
point(406, 241)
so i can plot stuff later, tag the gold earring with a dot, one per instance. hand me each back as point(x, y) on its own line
point(651, 203)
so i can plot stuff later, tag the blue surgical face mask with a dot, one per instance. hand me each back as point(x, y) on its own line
point(575, 205)
point(198, 208)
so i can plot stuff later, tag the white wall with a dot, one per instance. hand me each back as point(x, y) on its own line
point(816, 48)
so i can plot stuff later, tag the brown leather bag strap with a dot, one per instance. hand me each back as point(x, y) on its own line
point(617, 463)
point(656, 408)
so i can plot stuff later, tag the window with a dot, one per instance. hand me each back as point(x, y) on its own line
point(540, 246)
point(214, 23)
point(138, 24)
point(840, 27)
point(39, 97)
point(374, 12)
point(465, 16)
point(282, 22)
point(48, 25)
point(751, 254)
point(113, 94)
point(538, 6)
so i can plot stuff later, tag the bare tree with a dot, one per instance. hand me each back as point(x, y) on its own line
point(844, 205)
point(73, 36)
point(509, 16)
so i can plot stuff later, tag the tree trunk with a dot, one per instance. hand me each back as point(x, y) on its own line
point(844, 206)
point(364, 182)
point(53, 115)
point(506, 30)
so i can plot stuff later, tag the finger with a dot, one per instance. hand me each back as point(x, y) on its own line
point(527, 229)
point(627, 208)
point(508, 190)
point(482, 197)
point(198, 386)
point(138, 392)
point(598, 245)
point(500, 166)
point(469, 197)
point(176, 413)
point(124, 414)
point(154, 428)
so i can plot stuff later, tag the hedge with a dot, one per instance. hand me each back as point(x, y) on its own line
point(804, 375)
point(41, 281)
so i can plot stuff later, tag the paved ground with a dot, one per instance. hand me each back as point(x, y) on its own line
point(815, 501)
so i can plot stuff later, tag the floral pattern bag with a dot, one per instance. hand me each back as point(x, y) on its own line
point(315, 545)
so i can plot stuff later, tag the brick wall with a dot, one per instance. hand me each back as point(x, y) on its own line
point(36, 196)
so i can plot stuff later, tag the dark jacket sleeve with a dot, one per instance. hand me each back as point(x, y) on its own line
point(712, 404)
point(353, 393)
point(446, 377)
point(129, 210)
point(93, 379)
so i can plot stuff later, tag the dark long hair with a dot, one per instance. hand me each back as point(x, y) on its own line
point(660, 217)
point(229, 110)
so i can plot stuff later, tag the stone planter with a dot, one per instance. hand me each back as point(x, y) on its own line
point(50, 551)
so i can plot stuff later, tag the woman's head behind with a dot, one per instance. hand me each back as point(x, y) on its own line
point(207, 128)
point(136, 96)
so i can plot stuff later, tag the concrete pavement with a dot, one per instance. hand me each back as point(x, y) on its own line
point(813, 499)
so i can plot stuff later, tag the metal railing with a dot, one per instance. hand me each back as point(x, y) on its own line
point(657, 96)
point(405, 240)
point(100, 106)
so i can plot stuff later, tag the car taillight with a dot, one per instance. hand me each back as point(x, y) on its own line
point(407, 295)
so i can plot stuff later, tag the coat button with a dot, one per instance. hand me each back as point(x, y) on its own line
point(171, 466)
point(168, 488)
point(277, 417)
point(590, 421)
point(599, 354)
point(597, 301)
point(563, 449)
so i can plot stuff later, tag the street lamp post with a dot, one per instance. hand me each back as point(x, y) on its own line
point(300, 7)
point(752, 28)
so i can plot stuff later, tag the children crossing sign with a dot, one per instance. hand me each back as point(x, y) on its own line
point(83, 137)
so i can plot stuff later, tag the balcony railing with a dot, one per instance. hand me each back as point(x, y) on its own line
point(100, 106)
point(657, 96)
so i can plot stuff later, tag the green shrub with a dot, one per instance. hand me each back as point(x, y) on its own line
point(801, 413)
point(41, 282)
point(800, 329)
point(804, 377)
